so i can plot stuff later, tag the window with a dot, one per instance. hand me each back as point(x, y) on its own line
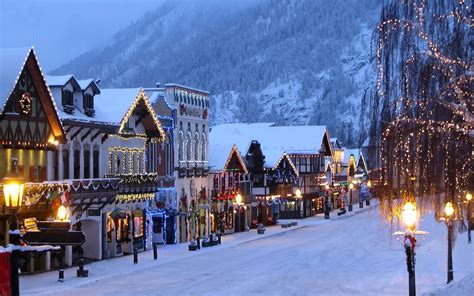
point(95, 156)
point(196, 146)
point(87, 157)
point(56, 161)
point(189, 144)
point(88, 101)
point(77, 164)
point(181, 146)
point(67, 98)
point(66, 163)
point(203, 147)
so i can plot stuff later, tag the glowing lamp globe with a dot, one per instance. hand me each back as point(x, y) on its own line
point(409, 214)
point(327, 187)
point(238, 198)
point(351, 186)
point(468, 197)
point(369, 184)
point(13, 186)
point(298, 193)
point(62, 213)
point(449, 209)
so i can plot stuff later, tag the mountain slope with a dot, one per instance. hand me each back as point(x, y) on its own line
point(288, 61)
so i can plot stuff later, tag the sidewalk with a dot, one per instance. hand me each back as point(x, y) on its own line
point(47, 282)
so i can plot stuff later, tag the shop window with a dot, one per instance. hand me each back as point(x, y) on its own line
point(123, 229)
point(110, 229)
point(137, 224)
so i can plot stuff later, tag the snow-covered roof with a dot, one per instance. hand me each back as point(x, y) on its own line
point(186, 87)
point(274, 141)
point(12, 61)
point(85, 83)
point(110, 106)
point(224, 136)
point(113, 103)
point(349, 152)
point(59, 80)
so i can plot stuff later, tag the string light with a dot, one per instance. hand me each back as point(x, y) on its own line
point(423, 116)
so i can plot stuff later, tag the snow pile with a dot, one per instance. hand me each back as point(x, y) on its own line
point(456, 288)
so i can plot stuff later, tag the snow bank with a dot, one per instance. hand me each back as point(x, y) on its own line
point(459, 288)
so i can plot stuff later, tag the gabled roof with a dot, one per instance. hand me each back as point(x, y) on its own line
point(12, 63)
point(235, 152)
point(287, 157)
point(86, 83)
point(141, 98)
point(274, 140)
point(358, 156)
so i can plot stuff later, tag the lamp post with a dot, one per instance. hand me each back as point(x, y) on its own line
point(298, 197)
point(409, 219)
point(367, 200)
point(13, 186)
point(449, 211)
point(469, 214)
point(351, 186)
point(326, 202)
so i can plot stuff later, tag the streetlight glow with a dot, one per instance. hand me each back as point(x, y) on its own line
point(468, 196)
point(298, 193)
point(409, 214)
point(369, 184)
point(449, 209)
point(351, 186)
point(62, 213)
point(238, 198)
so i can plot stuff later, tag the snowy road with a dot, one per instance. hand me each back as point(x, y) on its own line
point(344, 256)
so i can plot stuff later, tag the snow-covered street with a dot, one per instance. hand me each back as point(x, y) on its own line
point(350, 255)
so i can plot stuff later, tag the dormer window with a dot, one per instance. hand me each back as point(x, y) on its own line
point(67, 98)
point(68, 101)
point(88, 104)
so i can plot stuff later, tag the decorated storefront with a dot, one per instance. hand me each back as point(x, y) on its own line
point(231, 196)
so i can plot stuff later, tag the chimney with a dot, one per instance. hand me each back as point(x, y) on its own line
point(97, 81)
point(158, 85)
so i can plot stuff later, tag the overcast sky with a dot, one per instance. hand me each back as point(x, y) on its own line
point(62, 29)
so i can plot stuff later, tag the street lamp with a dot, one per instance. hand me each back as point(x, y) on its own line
point(367, 198)
point(409, 217)
point(351, 186)
point(449, 211)
point(469, 214)
point(238, 199)
point(13, 186)
point(298, 193)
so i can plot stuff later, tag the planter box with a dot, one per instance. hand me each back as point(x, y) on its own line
point(192, 248)
point(294, 223)
point(260, 231)
point(206, 244)
point(284, 225)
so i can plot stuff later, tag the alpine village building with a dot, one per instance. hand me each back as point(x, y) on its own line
point(140, 166)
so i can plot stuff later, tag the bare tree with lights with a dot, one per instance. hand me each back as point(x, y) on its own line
point(422, 124)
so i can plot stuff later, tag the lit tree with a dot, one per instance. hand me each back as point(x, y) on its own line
point(422, 121)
